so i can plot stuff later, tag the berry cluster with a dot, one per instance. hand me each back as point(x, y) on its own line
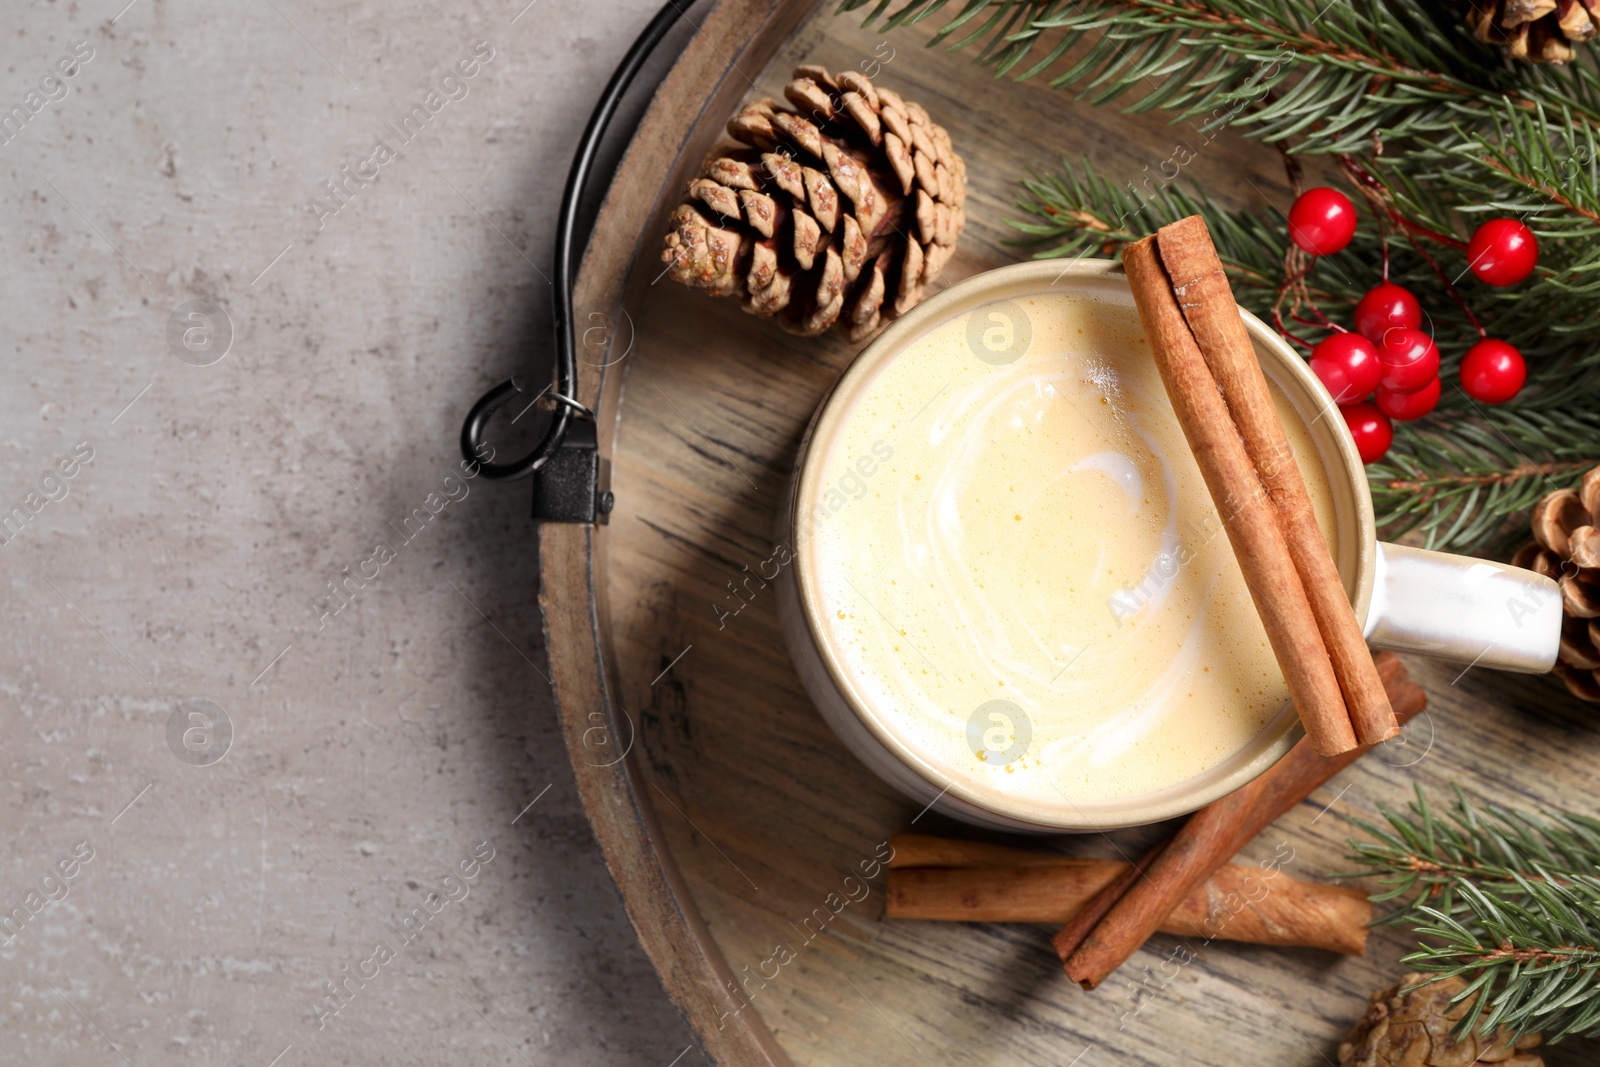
point(1389, 358)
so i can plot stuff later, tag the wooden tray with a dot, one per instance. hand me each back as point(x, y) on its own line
point(735, 818)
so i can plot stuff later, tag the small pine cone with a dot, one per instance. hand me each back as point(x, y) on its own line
point(836, 209)
point(1413, 1030)
point(1539, 31)
point(1566, 549)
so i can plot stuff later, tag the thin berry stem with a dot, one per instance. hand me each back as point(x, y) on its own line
point(1294, 287)
point(1449, 287)
point(1377, 194)
point(1293, 283)
point(1317, 319)
point(1384, 229)
point(1278, 324)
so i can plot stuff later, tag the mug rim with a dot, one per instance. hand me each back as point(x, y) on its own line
point(1305, 392)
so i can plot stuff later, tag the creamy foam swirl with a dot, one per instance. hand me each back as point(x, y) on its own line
point(1035, 532)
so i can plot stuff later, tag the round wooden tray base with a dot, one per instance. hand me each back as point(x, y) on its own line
point(737, 828)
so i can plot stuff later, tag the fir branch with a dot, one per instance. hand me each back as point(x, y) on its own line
point(1435, 128)
point(1538, 165)
point(1459, 481)
point(1337, 72)
point(1421, 856)
point(1080, 211)
point(1537, 963)
point(1460, 475)
point(1311, 76)
point(1505, 900)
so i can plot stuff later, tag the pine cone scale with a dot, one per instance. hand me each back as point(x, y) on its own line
point(808, 96)
point(864, 116)
point(822, 198)
point(1580, 599)
point(718, 198)
point(761, 212)
point(855, 249)
point(1574, 20)
point(734, 173)
point(807, 236)
point(1557, 514)
point(785, 173)
point(1517, 12)
point(1578, 647)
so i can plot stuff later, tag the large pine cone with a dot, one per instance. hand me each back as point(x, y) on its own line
point(1540, 31)
point(836, 211)
point(1413, 1030)
point(1566, 548)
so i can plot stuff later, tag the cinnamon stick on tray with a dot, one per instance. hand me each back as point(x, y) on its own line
point(1099, 906)
point(1213, 835)
point(1238, 903)
point(1247, 514)
point(1207, 304)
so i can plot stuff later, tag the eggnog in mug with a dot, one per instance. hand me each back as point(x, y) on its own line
point(1017, 565)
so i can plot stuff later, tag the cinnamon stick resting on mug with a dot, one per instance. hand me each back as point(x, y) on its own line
point(1206, 299)
point(1243, 504)
point(960, 881)
point(1211, 837)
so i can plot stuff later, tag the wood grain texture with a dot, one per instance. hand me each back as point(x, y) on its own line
point(741, 828)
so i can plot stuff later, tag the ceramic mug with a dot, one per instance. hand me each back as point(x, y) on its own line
point(1410, 600)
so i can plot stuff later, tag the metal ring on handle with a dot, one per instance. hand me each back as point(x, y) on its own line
point(566, 383)
point(573, 404)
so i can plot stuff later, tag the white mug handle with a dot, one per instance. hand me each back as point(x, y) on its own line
point(1464, 609)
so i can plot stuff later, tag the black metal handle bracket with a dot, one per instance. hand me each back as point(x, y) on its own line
point(574, 485)
point(571, 482)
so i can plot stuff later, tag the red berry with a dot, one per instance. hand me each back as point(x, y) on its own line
point(1385, 306)
point(1370, 428)
point(1348, 365)
point(1492, 371)
point(1412, 405)
point(1503, 252)
point(1322, 221)
point(1410, 359)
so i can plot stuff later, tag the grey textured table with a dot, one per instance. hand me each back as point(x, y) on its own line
point(270, 182)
